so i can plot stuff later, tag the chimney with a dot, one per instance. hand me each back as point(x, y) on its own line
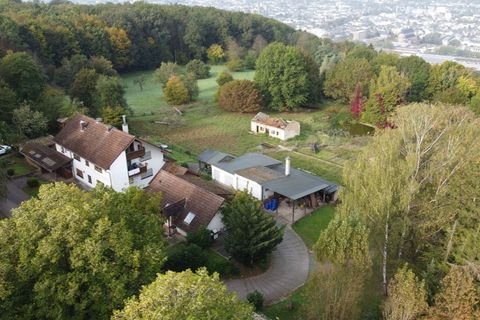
point(287, 166)
point(83, 125)
point(124, 124)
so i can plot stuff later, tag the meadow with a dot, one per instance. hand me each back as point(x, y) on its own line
point(203, 125)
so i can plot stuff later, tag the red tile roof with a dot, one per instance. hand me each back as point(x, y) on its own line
point(199, 201)
point(97, 142)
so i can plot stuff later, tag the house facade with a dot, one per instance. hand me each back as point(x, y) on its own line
point(103, 154)
point(274, 127)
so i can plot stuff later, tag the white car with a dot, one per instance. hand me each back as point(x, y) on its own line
point(5, 149)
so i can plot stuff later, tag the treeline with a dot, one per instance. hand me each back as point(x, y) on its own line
point(132, 36)
point(49, 50)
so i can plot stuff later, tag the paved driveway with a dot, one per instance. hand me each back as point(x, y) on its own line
point(288, 270)
point(15, 196)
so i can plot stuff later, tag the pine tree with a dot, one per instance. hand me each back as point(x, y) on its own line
point(251, 233)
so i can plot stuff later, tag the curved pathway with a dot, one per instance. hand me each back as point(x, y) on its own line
point(288, 271)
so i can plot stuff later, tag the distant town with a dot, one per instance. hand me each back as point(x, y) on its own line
point(435, 30)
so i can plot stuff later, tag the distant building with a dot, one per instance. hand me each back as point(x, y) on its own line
point(274, 127)
point(101, 153)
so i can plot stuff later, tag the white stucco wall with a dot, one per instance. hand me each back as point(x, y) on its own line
point(223, 177)
point(89, 170)
point(216, 223)
point(292, 130)
point(250, 186)
point(119, 173)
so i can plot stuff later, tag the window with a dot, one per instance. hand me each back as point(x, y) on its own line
point(98, 169)
point(76, 157)
point(277, 133)
point(63, 150)
point(89, 179)
point(189, 218)
point(80, 173)
point(87, 163)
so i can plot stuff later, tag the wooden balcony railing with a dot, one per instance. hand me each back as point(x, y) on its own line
point(138, 170)
point(135, 154)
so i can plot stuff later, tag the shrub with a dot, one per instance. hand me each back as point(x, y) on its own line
point(185, 257)
point(240, 96)
point(198, 69)
point(250, 60)
point(221, 266)
point(10, 172)
point(33, 183)
point(224, 77)
point(235, 65)
point(201, 238)
point(256, 299)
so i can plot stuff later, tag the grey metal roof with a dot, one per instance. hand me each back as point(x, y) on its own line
point(248, 160)
point(296, 185)
point(212, 156)
point(270, 173)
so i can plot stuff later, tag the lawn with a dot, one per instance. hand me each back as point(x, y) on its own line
point(310, 227)
point(288, 309)
point(18, 164)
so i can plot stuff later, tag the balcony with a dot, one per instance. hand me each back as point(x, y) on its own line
point(136, 169)
point(135, 154)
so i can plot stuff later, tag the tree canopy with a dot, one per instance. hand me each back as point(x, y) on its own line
point(251, 233)
point(185, 295)
point(71, 254)
point(283, 77)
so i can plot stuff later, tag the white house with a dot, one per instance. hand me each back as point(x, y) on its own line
point(101, 153)
point(274, 127)
point(266, 178)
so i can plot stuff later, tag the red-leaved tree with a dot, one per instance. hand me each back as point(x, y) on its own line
point(357, 101)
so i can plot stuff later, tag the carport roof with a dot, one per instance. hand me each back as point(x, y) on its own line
point(296, 185)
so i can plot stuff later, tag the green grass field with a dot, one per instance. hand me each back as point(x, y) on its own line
point(203, 125)
point(18, 164)
point(310, 227)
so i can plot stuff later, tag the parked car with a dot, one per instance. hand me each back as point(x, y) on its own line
point(5, 149)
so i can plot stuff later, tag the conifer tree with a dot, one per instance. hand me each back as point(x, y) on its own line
point(251, 233)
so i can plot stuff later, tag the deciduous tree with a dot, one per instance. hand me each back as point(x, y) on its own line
point(71, 254)
point(198, 68)
point(185, 295)
point(282, 76)
point(23, 75)
point(407, 297)
point(340, 82)
point(29, 123)
point(215, 53)
point(224, 77)
point(239, 96)
point(175, 92)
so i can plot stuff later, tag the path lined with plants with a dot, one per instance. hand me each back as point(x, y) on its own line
point(289, 269)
